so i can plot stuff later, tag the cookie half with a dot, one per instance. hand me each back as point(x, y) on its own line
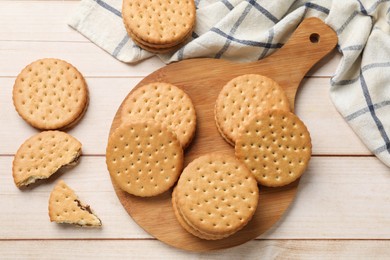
point(65, 207)
point(216, 195)
point(44, 154)
point(243, 97)
point(167, 105)
point(276, 146)
point(144, 158)
point(50, 94)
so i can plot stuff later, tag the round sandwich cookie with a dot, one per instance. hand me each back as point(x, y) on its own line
point(184, 224)
point(276, 146)
point(144, 158)
point(167, 105)
point(216, 196)
point(157, 49)
point(66, 208)
point(50, 94)
point(243, 97)
point(159, 24)
point(42, 155)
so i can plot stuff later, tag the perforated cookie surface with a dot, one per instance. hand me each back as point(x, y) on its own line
point(275, 146)
point(50, 94)
point(243, 97)
point(43, 155)
point(65, 207)
point(217, 194)
point(159, 22)
point(185, 225)
point(166, 104)
point(144, 158)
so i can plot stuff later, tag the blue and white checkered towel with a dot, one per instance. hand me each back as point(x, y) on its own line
point(248, 30)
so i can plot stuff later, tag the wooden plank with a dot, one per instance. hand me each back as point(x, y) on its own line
point(312, 105)
point(338, 198)
point(329, 131)
point(95, 62)
point(146, 249)
point(37, 21)
point(29, 208)
point(86, 56)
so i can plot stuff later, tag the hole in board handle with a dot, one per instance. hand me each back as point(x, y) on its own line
point(314, 38)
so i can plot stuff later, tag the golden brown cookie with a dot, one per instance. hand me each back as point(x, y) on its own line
point(159, 22)
point(65, 207)
point(243, 97)
point(185, 225)
point(50, 94)
point(154, 50)
point(216, 195)
point(276, 146)
point(166, 104)
point(157, 49)
point(44, 154)
point(144, 158)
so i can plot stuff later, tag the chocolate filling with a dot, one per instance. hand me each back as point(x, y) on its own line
point(81, 206)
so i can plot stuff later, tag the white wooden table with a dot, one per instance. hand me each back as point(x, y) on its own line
point(343, 204)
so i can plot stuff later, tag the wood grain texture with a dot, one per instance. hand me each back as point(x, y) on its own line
point(79, 54)
point(335, 200)
point(37, 21)
point(202, 80)
point(151, 249)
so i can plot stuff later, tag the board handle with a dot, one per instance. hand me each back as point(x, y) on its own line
point(309, 43)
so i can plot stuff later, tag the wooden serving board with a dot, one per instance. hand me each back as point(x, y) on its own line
point(203, 79)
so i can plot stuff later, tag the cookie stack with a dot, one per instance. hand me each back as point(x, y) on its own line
point(253, 114)
point(215, 197)
point(159, 26)
point(275, 145)
point(145, 153)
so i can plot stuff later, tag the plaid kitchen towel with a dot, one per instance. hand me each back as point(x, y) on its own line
point(248, 30)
